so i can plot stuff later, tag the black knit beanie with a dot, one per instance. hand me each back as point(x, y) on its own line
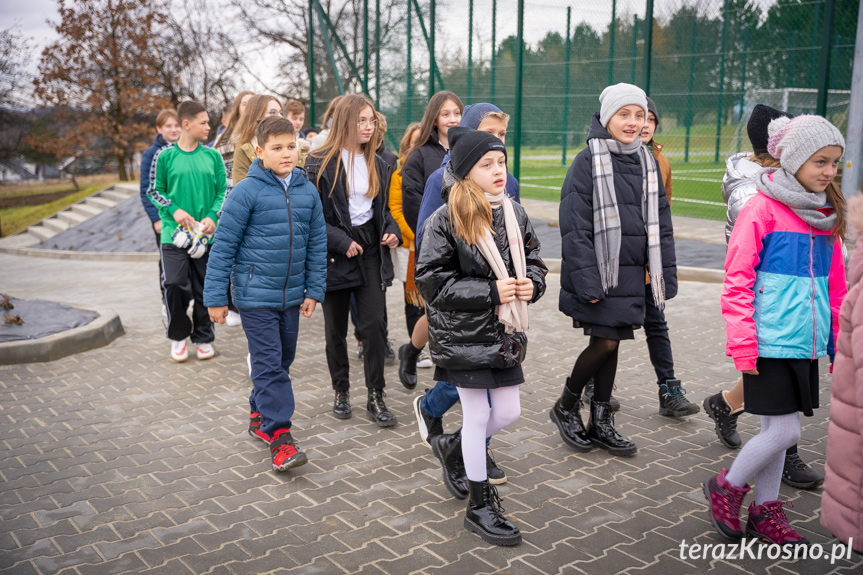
point(467, 147)
point(651, 107)
point(756, 127)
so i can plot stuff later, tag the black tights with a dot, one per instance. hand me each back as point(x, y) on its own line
point(597, 361)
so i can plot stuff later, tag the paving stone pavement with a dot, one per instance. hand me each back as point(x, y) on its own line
point(120, 461)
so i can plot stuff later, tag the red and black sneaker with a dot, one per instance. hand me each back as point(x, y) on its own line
point(286, 453)
point(255, 422)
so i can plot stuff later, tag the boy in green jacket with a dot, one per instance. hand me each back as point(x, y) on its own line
point(189, 190)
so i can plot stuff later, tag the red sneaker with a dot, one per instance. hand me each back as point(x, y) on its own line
point(286, 453)
point(255, 422)
point(725, 502)
point(769, 523)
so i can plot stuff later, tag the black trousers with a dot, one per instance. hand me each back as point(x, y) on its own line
point(658, 343)
point(183, 280)
point(161, 271)
point(371, 324)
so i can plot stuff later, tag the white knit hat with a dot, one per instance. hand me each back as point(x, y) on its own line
point(793, 141)
point(616, 97)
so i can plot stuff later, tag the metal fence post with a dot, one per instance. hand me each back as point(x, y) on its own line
point(610, 40)
point(721, 81)
point(648, 45)
point(493, 47)
point(634, 48)
point(743, 81)
point(409, 74)
point(852, 170)
point(431, 47)
point(566, 89)
point(689, 95)
point(793, 59)
point(365, 42)
point(469, 51)
point(817, 12)
point(826, 53)
point(519, 63)
point(311, 41)
point(377, 54)
point(325, 33)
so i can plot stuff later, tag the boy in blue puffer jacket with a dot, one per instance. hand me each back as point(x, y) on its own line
point(272, 244)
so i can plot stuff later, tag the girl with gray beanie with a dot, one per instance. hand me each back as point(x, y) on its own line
point(615, 226)
point(784, 285)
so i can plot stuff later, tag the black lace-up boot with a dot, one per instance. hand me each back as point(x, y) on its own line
point(601, 431)
point(377, 409)
point(567, 416)
point(672, 401)
point(485, 516)
point(447, 448)
point(341, 405)
point(725, 419)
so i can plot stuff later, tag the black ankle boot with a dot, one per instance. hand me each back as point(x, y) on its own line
point(341, 405)
point(484, 516)
point(724, 418)
point(601, 431)
point(673, 402)
point(587, 396)
point(569, 421)
point(447, 448)
point(408, 356)
point(377, 409)
point(797, 474)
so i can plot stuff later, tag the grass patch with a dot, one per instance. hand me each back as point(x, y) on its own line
point(18, 218)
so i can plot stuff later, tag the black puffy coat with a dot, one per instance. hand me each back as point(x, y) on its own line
point(455, 280)
point(579, 276)
point(344, 272)
point(421, 164)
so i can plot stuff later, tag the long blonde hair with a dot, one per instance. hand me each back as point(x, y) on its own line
point(256, 111)
point(343, 135)
point(405, 144)
point(233, 117)
point(469, 211)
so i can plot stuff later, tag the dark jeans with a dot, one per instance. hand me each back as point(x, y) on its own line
point(161, 271)
point(272, 336)
point(658, 344)
point(371, 323)
point(183, 280)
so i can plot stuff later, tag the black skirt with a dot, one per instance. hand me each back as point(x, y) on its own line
point(782, 386)
point(604, 331)
point(481, 378)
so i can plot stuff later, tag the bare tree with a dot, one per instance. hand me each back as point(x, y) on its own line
point(14, 55)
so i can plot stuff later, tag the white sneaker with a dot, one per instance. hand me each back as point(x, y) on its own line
point(249, 363)
point(179, 351)
point(205, 350)
point(233, 319)
point(424, 360)
point(164, 311)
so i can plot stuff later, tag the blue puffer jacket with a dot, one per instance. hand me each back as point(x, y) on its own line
point(147, 165)
point(272, 244)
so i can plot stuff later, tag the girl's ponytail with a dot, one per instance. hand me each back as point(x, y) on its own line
point(840, 207)
point(469, 211)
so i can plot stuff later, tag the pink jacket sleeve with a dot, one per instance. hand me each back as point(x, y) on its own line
point(838, 290)
point(744, 248)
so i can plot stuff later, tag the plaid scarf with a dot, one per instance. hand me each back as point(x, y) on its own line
point(606, 217)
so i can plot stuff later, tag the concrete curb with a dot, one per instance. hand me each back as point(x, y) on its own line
point(684, 273)
point(98, 333)
point(73, 255)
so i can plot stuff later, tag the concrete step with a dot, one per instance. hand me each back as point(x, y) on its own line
point(115, 195)
point(42, 232)
point(74, 218)
point(86, 210)
point(102, 203)
point(57, 224)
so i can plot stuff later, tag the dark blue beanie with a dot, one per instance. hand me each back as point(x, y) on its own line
point(474, 113)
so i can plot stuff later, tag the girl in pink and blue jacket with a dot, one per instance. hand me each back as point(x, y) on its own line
point(784, 285)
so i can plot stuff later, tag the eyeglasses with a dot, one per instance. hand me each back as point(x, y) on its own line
point(363, 123)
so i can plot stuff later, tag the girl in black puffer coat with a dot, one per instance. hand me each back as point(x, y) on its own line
point(615, 225)
point(477, 269)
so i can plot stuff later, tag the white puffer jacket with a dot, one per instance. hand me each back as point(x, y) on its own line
point(738, 186)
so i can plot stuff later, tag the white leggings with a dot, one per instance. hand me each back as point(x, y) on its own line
point(763, 456)
point(485, 413)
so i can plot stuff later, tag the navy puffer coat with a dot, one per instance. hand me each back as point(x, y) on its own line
point(579, 277)
point(271, 242)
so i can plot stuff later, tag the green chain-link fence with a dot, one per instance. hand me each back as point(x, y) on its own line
point(706, 63)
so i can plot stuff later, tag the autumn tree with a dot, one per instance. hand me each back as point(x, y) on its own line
point(102, 71)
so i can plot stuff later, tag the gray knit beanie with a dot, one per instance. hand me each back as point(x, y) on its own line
point(793, 141)
point(616, 97)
